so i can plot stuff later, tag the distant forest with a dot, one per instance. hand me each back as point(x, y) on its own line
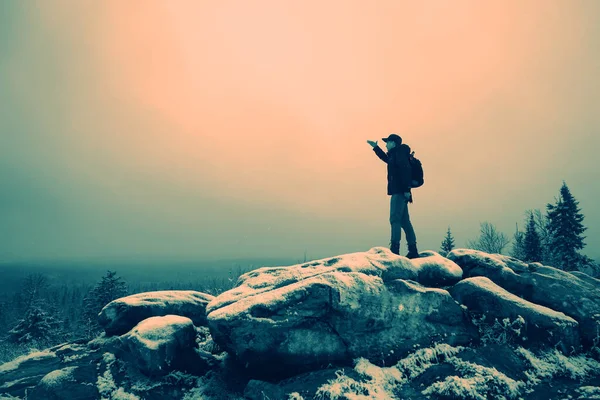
point(48, 304)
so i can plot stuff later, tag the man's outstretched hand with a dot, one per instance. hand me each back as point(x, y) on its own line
point(372, 143)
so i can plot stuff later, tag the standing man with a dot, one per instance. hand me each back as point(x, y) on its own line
point(398, 186)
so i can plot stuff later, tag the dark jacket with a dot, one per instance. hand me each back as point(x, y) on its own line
point(398, 168)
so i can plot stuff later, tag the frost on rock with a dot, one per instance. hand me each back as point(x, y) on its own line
point(332, 316)
point(57, 376)
point(157, 331)
point(158, 345)
point(122, 314)
point(435, 270)
point(375, 262)
point(547, 286)
point(539, 325)
point(33, 356)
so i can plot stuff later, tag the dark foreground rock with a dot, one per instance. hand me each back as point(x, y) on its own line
point(540, 326)
point(547, 286)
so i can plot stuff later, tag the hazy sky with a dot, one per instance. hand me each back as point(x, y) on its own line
point(190, 129)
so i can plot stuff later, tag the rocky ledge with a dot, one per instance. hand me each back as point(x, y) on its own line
point(368, 324)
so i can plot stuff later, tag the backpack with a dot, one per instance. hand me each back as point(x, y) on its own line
point(416, 169)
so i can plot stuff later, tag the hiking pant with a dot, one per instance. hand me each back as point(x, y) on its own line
point(399, 219)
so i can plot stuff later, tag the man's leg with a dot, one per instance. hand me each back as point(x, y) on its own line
point(397, 208)
point(411, 238)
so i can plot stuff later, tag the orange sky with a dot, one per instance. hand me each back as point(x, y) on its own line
point(236, 128)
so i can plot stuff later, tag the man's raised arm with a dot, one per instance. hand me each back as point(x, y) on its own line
point(380, 153)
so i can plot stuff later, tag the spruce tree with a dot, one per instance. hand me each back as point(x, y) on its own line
point(565, 228)
point(531, 243)
point(37, 326)
point(447, 243)
point(111, 287)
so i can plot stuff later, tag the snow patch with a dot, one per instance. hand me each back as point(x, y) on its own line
point(477, 382)
point(57, 376)
point(380, 381)
point(589, 392)
point(553, 363)
point(500, 292)
point(106, 384)
point(155, 331)
point(33, 356)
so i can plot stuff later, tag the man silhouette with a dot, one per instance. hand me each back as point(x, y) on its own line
point(398, 187)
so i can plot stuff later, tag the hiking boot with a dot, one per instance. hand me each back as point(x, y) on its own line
point(395, 247)
point(412, 251)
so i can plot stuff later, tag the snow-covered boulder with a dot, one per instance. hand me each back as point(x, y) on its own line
point(547, 286)
point(541, 326)
point(281, 320)
point(587, 278)
point(378, 261)
point(158, 345)
point(122, 314)
point(67, 383)
point(436, 271)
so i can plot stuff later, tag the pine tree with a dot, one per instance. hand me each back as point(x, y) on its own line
point(111, 287)
point(518, 247)
point(37, 325)
point(565, 228)
point(531, 243)
point(447, 243)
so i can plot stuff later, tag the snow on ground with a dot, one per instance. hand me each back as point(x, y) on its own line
point(106, 384)
point(553, 363)
point(476, 382)
point(380, 382)
point(472, 381)
point(33, 356)
point(589, 392)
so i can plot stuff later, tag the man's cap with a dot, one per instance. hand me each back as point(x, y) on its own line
point(394, 138)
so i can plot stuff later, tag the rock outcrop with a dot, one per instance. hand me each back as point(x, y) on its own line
point(122, 314)
point(292, 319)
point(540, 326)
point(547, 286)
point(326, 324)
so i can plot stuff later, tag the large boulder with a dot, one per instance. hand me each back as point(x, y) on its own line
point(539, 284)
point(122, 314)
point(542, 326)
point(378, 261)
point(159, 345)
point(436, 271)
point(285, 320)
